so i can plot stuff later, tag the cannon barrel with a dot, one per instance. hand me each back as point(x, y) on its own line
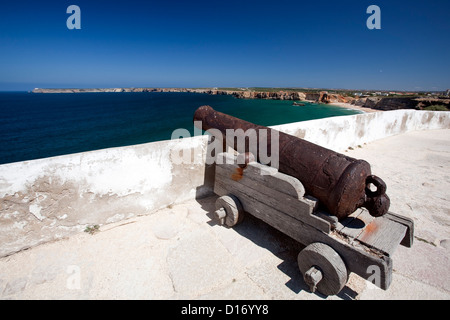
point(342, 184)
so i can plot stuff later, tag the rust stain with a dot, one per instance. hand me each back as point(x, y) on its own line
point(237, 175)
point(371, 228)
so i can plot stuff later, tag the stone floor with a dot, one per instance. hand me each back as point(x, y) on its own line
point(181, 253)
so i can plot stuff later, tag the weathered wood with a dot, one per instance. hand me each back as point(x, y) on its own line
point(312, 277)
point(333, 220)
point(341, 224)
point(356, 258)
point(267, 175)
point(233, 209)
point(298, 209)
point(252, 184)
point(355, 226)
point(360, 259)
point(383, 234)
point(408, 240)
point(220, 214)
point(276, 200)
point(268, 214)
point(313, 202)
point(330, 264)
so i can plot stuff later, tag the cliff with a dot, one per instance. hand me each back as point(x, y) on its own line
point(385, 104)
point(319, 97)
point(92, 90)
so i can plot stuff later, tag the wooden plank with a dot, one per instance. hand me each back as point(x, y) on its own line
point(333, 220)
point(408, 240)
point(298, 209)
point(357, 225)
point(253, 182)
point(275, 187)
point(341, 224)
point(383, 234)
point(268, 176)
point(292, 227)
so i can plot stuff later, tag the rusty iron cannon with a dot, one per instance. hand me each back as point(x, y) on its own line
point(342, 184)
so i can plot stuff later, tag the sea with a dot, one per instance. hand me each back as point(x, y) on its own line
point(41, 125)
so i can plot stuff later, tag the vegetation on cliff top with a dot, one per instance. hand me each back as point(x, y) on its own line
point(437, 107)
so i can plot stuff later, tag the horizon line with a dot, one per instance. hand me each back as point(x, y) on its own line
point(224, 88)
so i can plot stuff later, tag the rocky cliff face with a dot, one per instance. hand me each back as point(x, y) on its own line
point(280, 95)
point(325, 97)
point(320, 97)
point(385, 104)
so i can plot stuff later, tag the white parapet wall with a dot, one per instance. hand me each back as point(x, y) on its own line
point(47, 199)
point(340, 133)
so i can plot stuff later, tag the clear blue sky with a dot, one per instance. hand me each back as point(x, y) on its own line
point(225, 44)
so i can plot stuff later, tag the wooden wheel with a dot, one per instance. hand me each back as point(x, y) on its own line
point(322, 268)
point(229, 210)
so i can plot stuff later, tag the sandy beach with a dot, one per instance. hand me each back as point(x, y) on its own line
point(351, 106)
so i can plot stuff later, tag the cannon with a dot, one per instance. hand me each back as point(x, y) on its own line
point(340, 183)
point(337, 244)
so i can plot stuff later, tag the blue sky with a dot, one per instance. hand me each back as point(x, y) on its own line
point(323, 44)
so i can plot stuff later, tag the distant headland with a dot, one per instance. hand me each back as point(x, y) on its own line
point(369, 100)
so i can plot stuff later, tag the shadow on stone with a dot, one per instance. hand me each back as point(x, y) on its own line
point(279, 244)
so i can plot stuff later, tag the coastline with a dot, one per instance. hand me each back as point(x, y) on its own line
point(364, 104)
point(316, 97)
point(353, 107)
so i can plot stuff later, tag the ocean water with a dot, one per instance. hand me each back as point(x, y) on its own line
point(34, 126)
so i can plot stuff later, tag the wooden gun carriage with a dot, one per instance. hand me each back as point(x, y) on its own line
point(359, 243)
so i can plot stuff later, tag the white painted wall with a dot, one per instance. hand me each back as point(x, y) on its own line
point(51, 198)
point(339, 133)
